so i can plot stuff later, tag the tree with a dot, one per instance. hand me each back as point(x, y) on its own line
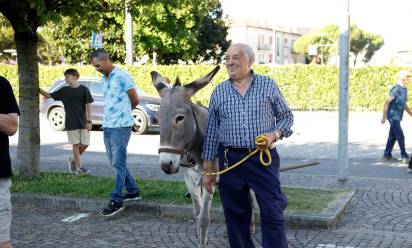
point(26, 16)
point(190, 30)
point(212, 34)
point(6, 37)
point(72, 39)
point(361, 42)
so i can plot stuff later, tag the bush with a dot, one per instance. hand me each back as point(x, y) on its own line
point(305, 87)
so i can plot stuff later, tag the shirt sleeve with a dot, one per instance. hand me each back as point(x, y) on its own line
point(394, 92)
point(128, 81)
point(211, 142)
point(58, 94)
point(88, 96)
point(9, 100)
point(283, 114)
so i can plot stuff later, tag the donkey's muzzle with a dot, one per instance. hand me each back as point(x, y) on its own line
point(168, 168)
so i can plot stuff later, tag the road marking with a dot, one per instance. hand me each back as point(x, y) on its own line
point(75, 217)
point(332, 246)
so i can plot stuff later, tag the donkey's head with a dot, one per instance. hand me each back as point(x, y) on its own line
point(176, 117)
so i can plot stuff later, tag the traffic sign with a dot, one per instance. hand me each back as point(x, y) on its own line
point(97, 40)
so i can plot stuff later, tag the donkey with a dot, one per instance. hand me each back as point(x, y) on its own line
point(182, 127)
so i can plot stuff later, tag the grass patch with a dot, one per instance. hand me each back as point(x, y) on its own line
point(157, 191)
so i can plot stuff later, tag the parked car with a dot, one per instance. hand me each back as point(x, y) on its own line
point(145, 114)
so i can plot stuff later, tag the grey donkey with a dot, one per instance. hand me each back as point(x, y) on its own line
point(182, 127)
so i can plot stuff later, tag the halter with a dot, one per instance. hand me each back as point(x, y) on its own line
point(185, 152)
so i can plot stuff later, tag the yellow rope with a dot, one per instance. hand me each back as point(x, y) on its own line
point(261, 142)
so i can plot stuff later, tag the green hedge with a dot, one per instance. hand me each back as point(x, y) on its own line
point(305, 87)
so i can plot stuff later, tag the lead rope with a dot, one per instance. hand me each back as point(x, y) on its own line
point(261, 146)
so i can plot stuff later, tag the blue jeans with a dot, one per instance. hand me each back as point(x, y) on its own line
point(116, 141)
point(395, 134)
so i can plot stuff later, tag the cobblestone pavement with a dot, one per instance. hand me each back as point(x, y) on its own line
point(379, 216)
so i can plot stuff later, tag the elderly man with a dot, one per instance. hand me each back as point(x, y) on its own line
point(393, 109)
point(120, 96)
point(241, 108)
point(9, 112)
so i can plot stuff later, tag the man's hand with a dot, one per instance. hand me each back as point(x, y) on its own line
point(209, 181)
point(272, 137)
point(383, 119)
point(89, 126)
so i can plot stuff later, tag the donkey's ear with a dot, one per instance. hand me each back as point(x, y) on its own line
point(194, 86)
point(160, 83)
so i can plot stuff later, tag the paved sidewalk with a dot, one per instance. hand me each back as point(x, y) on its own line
point(379, 214)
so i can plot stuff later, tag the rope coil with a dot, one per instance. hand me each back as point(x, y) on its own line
point(262, 146)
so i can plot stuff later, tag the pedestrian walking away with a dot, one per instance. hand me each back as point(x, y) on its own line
point(120, 97)
point(243, 107)
point(77, 101)
point(393, 109)
point(9, 112)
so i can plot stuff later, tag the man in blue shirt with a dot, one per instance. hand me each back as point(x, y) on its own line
point(241, 108)
point(393, 109)
point(120, 97)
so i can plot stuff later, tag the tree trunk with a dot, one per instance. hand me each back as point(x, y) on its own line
point(28, 149)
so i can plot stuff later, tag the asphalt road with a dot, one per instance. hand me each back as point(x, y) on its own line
point(315, 138)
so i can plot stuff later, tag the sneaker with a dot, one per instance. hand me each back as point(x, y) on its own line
point(387, 158)
point(84, 171)
point(112, 209)
point(132, 196)
point(405, 160)
point(81, 171)
point(72, 165)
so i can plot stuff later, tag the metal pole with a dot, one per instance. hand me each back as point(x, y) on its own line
point(298, 166)
point(129, 34)
point(342, 172)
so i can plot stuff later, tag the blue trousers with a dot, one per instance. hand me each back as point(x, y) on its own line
point(234, 189)
point(395, 134)
point(116, 141)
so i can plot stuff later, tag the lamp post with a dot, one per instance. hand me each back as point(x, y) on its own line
point(342, 169)
point(129, 34)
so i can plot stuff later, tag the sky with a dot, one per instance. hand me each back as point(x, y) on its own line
point(390, 18)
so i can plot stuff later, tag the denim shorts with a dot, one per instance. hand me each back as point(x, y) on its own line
point(5, 209)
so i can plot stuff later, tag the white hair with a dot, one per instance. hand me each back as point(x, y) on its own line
point(247, 50)
point(403, 74)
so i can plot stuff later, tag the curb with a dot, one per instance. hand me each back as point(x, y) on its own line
point(329, 219)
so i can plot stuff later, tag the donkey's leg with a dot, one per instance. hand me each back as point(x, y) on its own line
point(254, 206)
point(195, 194)
point(203, 220)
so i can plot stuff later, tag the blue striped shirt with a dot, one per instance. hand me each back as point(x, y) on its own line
point(236, 120)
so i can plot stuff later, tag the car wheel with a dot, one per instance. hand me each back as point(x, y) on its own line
point(140, 122)
point(57, 118)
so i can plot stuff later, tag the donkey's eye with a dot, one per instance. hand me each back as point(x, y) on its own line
point(179, 118)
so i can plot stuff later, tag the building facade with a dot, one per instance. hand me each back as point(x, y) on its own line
point(272, 44)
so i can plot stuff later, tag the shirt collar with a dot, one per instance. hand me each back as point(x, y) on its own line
point(252, 73)
point(400, 83)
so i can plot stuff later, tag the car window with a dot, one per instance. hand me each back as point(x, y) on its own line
point(140, 92)
point(57, 85)
point(96, 88)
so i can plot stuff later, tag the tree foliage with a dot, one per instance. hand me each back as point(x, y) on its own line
point(6, 37)
point(361, 42)
point(186, 30)
point(25, 17)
